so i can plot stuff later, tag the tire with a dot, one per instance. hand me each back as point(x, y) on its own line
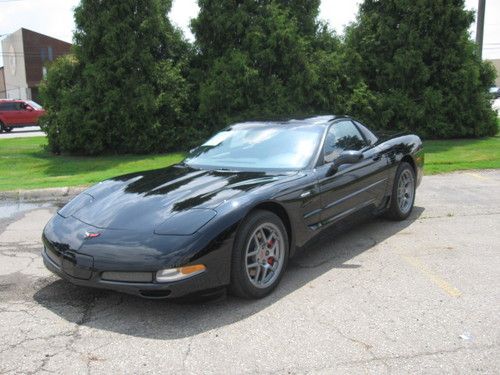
point(403, 193)
point(1, 127)
point(257, 270)
point(7, 129)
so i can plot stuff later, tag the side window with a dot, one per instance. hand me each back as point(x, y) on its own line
point(369, 136)
point(7, 106)
point(342, 136)
point(18, 106)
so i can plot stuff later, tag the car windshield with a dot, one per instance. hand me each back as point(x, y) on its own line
point(34, 104)
point(258, 147)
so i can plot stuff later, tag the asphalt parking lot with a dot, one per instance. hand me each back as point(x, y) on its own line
point(419, 296)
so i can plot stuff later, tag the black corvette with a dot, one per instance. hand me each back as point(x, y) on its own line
point(234, 211)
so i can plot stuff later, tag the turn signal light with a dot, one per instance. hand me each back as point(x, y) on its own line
point(176, 274)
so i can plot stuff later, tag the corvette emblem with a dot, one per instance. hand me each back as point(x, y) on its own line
point(92, 235)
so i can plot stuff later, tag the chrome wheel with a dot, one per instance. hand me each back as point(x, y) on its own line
point(265, 254)
point(406, 191)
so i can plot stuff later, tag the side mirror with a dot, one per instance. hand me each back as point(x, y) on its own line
point(348, 157)
point(345, 157)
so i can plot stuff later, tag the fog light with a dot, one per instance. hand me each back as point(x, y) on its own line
point(175, 274)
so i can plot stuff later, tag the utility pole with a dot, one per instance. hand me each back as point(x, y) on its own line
point(480, 26)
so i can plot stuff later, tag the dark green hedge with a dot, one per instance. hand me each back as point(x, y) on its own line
point(135, 85)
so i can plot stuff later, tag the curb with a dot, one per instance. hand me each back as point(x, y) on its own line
point(42, 194)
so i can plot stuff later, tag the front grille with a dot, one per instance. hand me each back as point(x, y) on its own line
point(129, 277)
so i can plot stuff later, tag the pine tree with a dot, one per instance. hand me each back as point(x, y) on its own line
point(256, 58)
point(418, 60)
point(129, 88)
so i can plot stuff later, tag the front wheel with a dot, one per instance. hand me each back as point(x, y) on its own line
point(260, 255)
point(403, 193)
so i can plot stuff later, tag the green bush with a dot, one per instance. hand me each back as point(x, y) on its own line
point(422, 69)
point(124, 90)
point(268, 59)
point(134, 85)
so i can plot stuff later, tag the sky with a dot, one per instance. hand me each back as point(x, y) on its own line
point(55, 18)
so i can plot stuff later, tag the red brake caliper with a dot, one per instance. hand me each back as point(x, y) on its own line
point(270, 244)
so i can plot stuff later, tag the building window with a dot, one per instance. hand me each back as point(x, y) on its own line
point(51, 56)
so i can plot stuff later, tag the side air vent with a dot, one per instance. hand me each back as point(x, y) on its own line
point(155, 293)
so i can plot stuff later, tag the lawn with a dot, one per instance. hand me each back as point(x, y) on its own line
point(459, 154)
point(24, 163)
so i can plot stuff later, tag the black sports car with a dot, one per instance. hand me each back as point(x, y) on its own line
point(234, 211)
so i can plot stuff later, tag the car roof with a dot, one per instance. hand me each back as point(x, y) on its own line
point(323, 120)
point(12, 100)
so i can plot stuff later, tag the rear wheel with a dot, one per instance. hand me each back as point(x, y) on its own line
point(260, 255)
point(403, 193)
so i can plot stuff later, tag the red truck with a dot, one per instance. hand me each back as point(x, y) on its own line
point(19, 113)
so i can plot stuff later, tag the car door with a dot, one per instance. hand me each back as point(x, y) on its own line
point(18, 114)
point(29, 115)
point(8, 113)
point(352, 186)
point(23, 114)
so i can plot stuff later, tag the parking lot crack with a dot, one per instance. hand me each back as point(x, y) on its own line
point(86, 318)
point(420, 354)
point(448, 216)
point(30, 339)
point(186, 354)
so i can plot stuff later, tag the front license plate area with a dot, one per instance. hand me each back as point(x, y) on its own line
point(77, 265)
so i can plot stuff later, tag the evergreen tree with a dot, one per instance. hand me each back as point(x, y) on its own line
point(57, 91)
point(305, 14)
point(257, 59)
point(418, 60)
point(129, 89)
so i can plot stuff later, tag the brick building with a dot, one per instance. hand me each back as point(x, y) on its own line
point(25, 56)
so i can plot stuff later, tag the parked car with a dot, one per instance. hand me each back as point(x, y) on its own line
point(495, 92)
point(234, 211)
point(18, 114)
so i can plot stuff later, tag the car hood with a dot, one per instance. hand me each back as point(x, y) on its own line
point(140, 201)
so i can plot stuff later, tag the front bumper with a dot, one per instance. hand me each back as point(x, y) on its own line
point(83, 275)
point(133, 258)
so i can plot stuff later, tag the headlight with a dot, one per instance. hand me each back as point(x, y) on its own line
point(186, 223)
point(176, 274)
point(75, 204)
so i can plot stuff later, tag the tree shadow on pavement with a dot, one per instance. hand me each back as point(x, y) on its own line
point(169, 319)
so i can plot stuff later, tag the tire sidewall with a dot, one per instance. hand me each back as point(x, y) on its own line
point(240, 284)
point(395, 206)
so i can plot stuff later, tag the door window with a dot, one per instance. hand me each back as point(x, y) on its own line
point(369, 136)
point(341, 136)
point(7, 106)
